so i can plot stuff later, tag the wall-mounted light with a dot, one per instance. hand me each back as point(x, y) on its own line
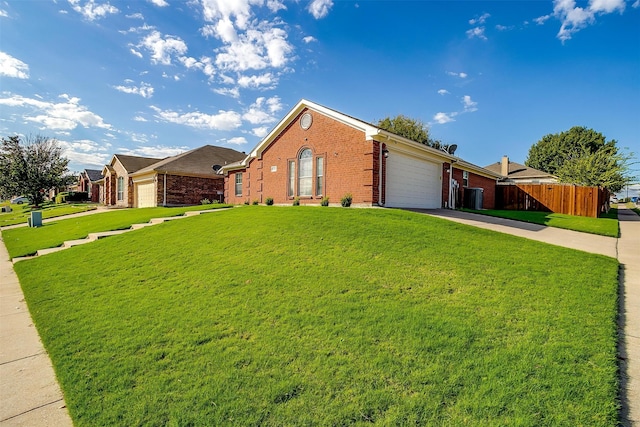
point(385, 153)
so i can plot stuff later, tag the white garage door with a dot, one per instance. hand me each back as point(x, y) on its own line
point(413, 183)
point(146, 195)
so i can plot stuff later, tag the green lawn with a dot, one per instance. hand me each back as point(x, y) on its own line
point(20, 213)
point(605, 226)
point(281, 316)
point(26, 241)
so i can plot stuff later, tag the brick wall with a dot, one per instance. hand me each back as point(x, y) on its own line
point(189, 190)
point(475, 181)
point(350, 165)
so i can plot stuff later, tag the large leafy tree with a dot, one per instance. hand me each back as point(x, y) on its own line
point(581, 156)
point(32, 166)
point(412, 129)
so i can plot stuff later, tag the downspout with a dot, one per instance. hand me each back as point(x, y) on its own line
point(380, 176)
point(164, 187)
point(451, 201)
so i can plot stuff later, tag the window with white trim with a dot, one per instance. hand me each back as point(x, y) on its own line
point(319, 175)
point(305, 175)
point(465, 178)
point(120, 188)
point(305, 172)
point(239, 184)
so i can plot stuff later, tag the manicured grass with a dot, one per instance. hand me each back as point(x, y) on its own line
point(26, 241)
point(605, 226)
point(20, 213)
point(280, 316)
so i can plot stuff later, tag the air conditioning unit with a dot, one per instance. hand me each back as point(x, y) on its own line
point(473, 198)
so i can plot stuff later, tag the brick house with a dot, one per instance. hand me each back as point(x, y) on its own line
point(117, 187)
point(185, 179)
point(316, 152)
point(89, 182)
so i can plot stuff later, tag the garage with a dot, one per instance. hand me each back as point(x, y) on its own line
point(412, 182)
point(146, 196)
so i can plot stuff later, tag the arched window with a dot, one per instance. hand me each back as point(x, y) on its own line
point(305, 173)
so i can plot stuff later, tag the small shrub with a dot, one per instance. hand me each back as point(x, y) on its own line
point(346, 200)
point(246, 202)
point(269, 201)
point(324, 201)
point(296, 201)
point(205, 202)
point(215, 202)
point(255, 202)
point(61, 197)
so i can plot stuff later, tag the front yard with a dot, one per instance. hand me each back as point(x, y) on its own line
point(327, 316)
point(20, 213)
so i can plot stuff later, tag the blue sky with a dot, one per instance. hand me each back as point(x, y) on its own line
point(158, 77)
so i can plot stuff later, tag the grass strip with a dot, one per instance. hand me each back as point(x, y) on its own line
point(20, 213)
point(26, 241)
point(604, 226)
point(327, 316)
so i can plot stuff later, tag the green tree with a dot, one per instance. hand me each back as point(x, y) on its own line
point(581, 156)
point(31, 167)
point(412, 129)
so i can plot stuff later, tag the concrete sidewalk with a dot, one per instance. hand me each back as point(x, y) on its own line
point(29, 392)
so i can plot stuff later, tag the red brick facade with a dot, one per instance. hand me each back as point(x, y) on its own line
point(188, 190)
point(351, 165)
point(474, 181)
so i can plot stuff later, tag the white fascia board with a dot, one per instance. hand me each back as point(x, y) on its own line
point(369, 130)
point(150, 176)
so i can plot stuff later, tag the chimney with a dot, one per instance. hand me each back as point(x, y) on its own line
point(504, 169)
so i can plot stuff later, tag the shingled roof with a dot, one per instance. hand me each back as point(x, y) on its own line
point(93, 174)
point(135, 163)
point(199, 161)
point(518, 171)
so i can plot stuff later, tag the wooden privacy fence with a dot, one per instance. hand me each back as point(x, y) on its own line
point(559, 198)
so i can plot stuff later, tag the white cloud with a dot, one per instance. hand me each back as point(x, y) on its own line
point(157, 151)
point(461, 75)
point(263, 110)
point(479, 20)
point(256, 49)
point(162, 48)
point(443, 92)
point(86, 152)
point(13, 67)
point(262, 81)
point(3, 14)
point(320, 8)
point(260, 132)
point(224, 120)
point(442, 118)
point(636, 4)
point(542, 19)
point(310, 39)
point(145, 90)
point(140, 119)
point(469, 105)
point(62, 116)
point(476, 32)
point(135, 16)
point(504, 27)
point(238, 140)
point(92, 10)
point(232, 92)
point(576, 18)
point(135, 52)
point(159, 3)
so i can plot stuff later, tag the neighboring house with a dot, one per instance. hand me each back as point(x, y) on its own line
point(118, 186)
point(89, 182)
point(316, 152)
point(515, 173)
point(185, 179)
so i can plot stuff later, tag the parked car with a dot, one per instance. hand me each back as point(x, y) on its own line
point(19, 200)
point(613, 199)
